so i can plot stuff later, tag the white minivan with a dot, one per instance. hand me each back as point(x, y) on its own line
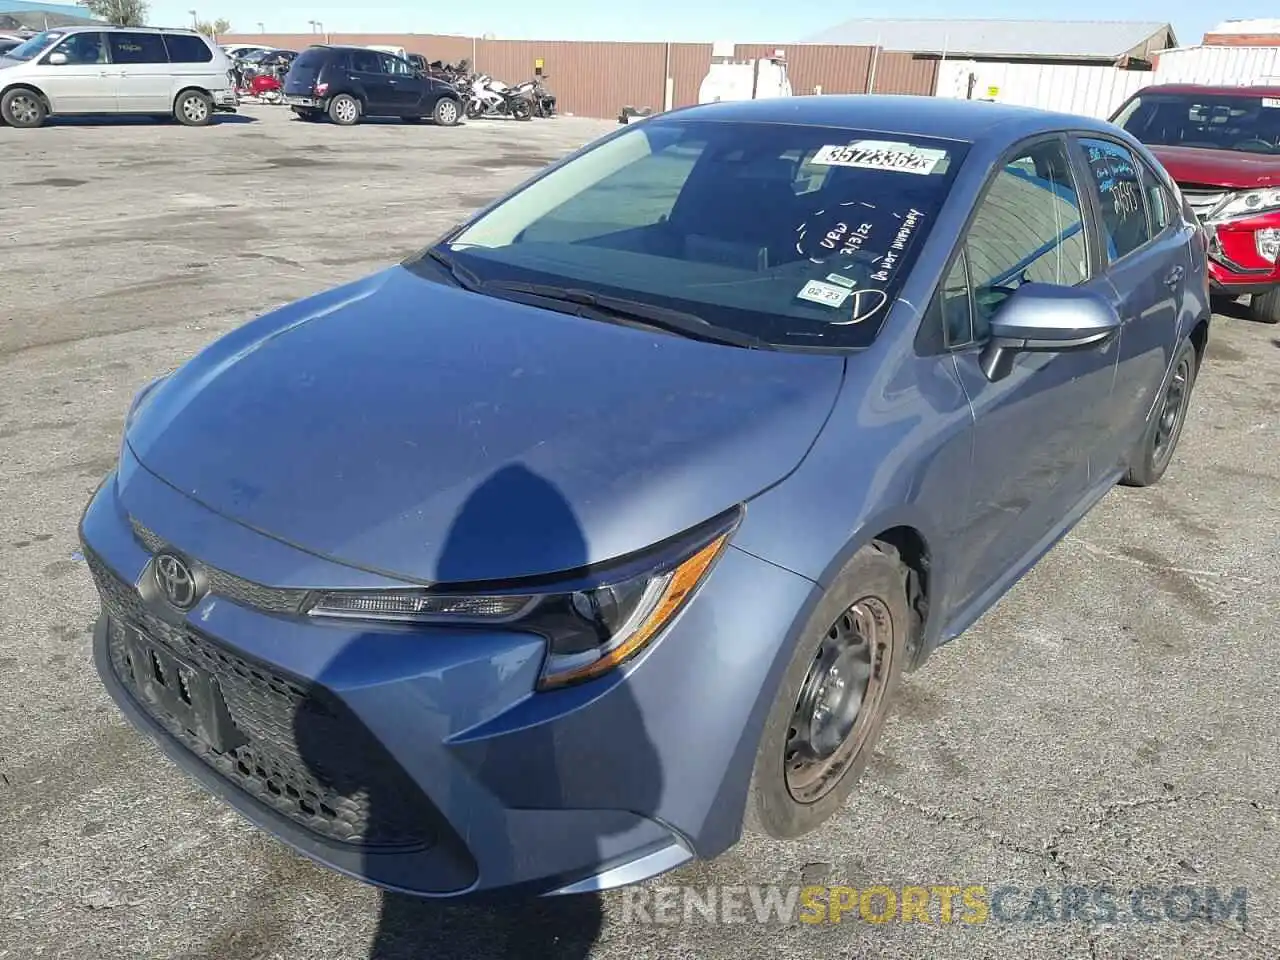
point(101, 69)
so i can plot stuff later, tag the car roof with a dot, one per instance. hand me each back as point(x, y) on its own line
point(1217, 90)
point(970, 121)
point(112, 28)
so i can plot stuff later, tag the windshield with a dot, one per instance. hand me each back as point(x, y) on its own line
point(1215, 122)
point(793, 235)
point(34, 46)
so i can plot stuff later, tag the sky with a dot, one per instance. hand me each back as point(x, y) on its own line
point(741, 21)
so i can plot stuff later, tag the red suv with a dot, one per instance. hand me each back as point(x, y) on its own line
point(1222, 147)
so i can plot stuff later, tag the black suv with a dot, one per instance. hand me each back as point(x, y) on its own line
point(348, 83)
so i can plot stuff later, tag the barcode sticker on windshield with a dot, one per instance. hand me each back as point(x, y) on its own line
point(827, 294)
point(1271, 101)
point(880, 155)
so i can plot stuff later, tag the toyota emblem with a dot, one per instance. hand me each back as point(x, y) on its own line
point(175, 580)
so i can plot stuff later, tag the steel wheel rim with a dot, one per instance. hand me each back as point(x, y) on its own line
point(838, 700)
point(448, 112)
point(194, 109)
point(1175, 401)
point(346, 110)
point(24, 109)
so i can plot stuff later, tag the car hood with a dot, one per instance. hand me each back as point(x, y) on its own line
point(1218, 168)
point(434, 434)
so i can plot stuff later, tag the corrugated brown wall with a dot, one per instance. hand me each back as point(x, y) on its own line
point(597, 79)
point(1242, 40)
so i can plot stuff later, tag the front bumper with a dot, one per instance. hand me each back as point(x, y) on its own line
point(423, 762)
point(1235, 265)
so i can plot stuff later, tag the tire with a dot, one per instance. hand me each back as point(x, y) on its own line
point(23, 107)
point(785, 801)
point(446, 112)
point(305, 113)
point(1159, 441)
point(193, 108)
point(1265, 307)
point(345, 110)
point(473, 110)
point(521, 109)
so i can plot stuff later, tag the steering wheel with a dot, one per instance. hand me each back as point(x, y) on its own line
point(988, 298)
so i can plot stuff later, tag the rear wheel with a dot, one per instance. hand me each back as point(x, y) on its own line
point(1265, 307)
point(521, 109)
point(1160, 439)
point(446, 112)
point(193, 108)
point(473, 110)
point(306, 113)
point(344, 110)
point(834, 697)
point(23, 108)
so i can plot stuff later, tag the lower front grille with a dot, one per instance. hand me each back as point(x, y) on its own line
point(304, 753)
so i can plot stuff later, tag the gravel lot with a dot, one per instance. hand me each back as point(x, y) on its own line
point(1112, 720)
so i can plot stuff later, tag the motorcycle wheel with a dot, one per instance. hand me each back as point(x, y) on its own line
point(521, 109)
point(473, 110)
point(273, 96)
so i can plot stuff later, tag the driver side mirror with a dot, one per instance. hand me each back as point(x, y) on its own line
point(1046, 318)
point(57, 59)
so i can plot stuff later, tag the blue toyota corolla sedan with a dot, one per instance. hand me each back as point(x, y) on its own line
point(605, 527)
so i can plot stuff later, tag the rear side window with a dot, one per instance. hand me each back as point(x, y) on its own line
point(137, 48)
point(365, 61)
point(310, 60)
point(184, 48)
point(1124, 214)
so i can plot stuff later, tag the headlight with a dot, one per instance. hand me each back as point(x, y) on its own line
point(1247, 203)
point(590, 627)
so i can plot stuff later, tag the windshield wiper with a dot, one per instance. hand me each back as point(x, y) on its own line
point(461, 275)
point(634, 311)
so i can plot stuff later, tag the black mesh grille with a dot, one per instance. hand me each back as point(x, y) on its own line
point(347, 789)
point(236, 589)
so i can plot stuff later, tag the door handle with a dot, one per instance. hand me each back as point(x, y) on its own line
point(1174, 277)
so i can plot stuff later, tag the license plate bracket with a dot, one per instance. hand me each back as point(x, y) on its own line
point(191, 696)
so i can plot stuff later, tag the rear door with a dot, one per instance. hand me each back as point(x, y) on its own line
point(142, 66)
point(1145, 243)
point(84, 83)
point(1033, 429)
point(368, 76)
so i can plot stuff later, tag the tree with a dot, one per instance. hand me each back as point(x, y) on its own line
point(218, 28)
point(123, 13)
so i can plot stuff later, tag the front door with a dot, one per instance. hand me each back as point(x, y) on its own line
point(77, 77)
point(1146, 243)
point(146, 79)
point(1033, 429)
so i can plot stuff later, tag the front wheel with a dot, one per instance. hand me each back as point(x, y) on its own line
point(1155, 450)
point(23, 108)
point(445, 113)
point(193, 108)
point(1265, 307)
point(344, 110)
point(834, 696)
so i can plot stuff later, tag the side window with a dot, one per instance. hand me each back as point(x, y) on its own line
point(1124, 215)
point(365, 61)
point(951, 311)
point(81, 48)
point(395, 66)
point(1027, 228)
point(1160, 205)
point(137, 48)
point(184, 48)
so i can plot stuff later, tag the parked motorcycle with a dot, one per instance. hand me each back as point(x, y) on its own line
point(492, 98)
point(544, 101)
